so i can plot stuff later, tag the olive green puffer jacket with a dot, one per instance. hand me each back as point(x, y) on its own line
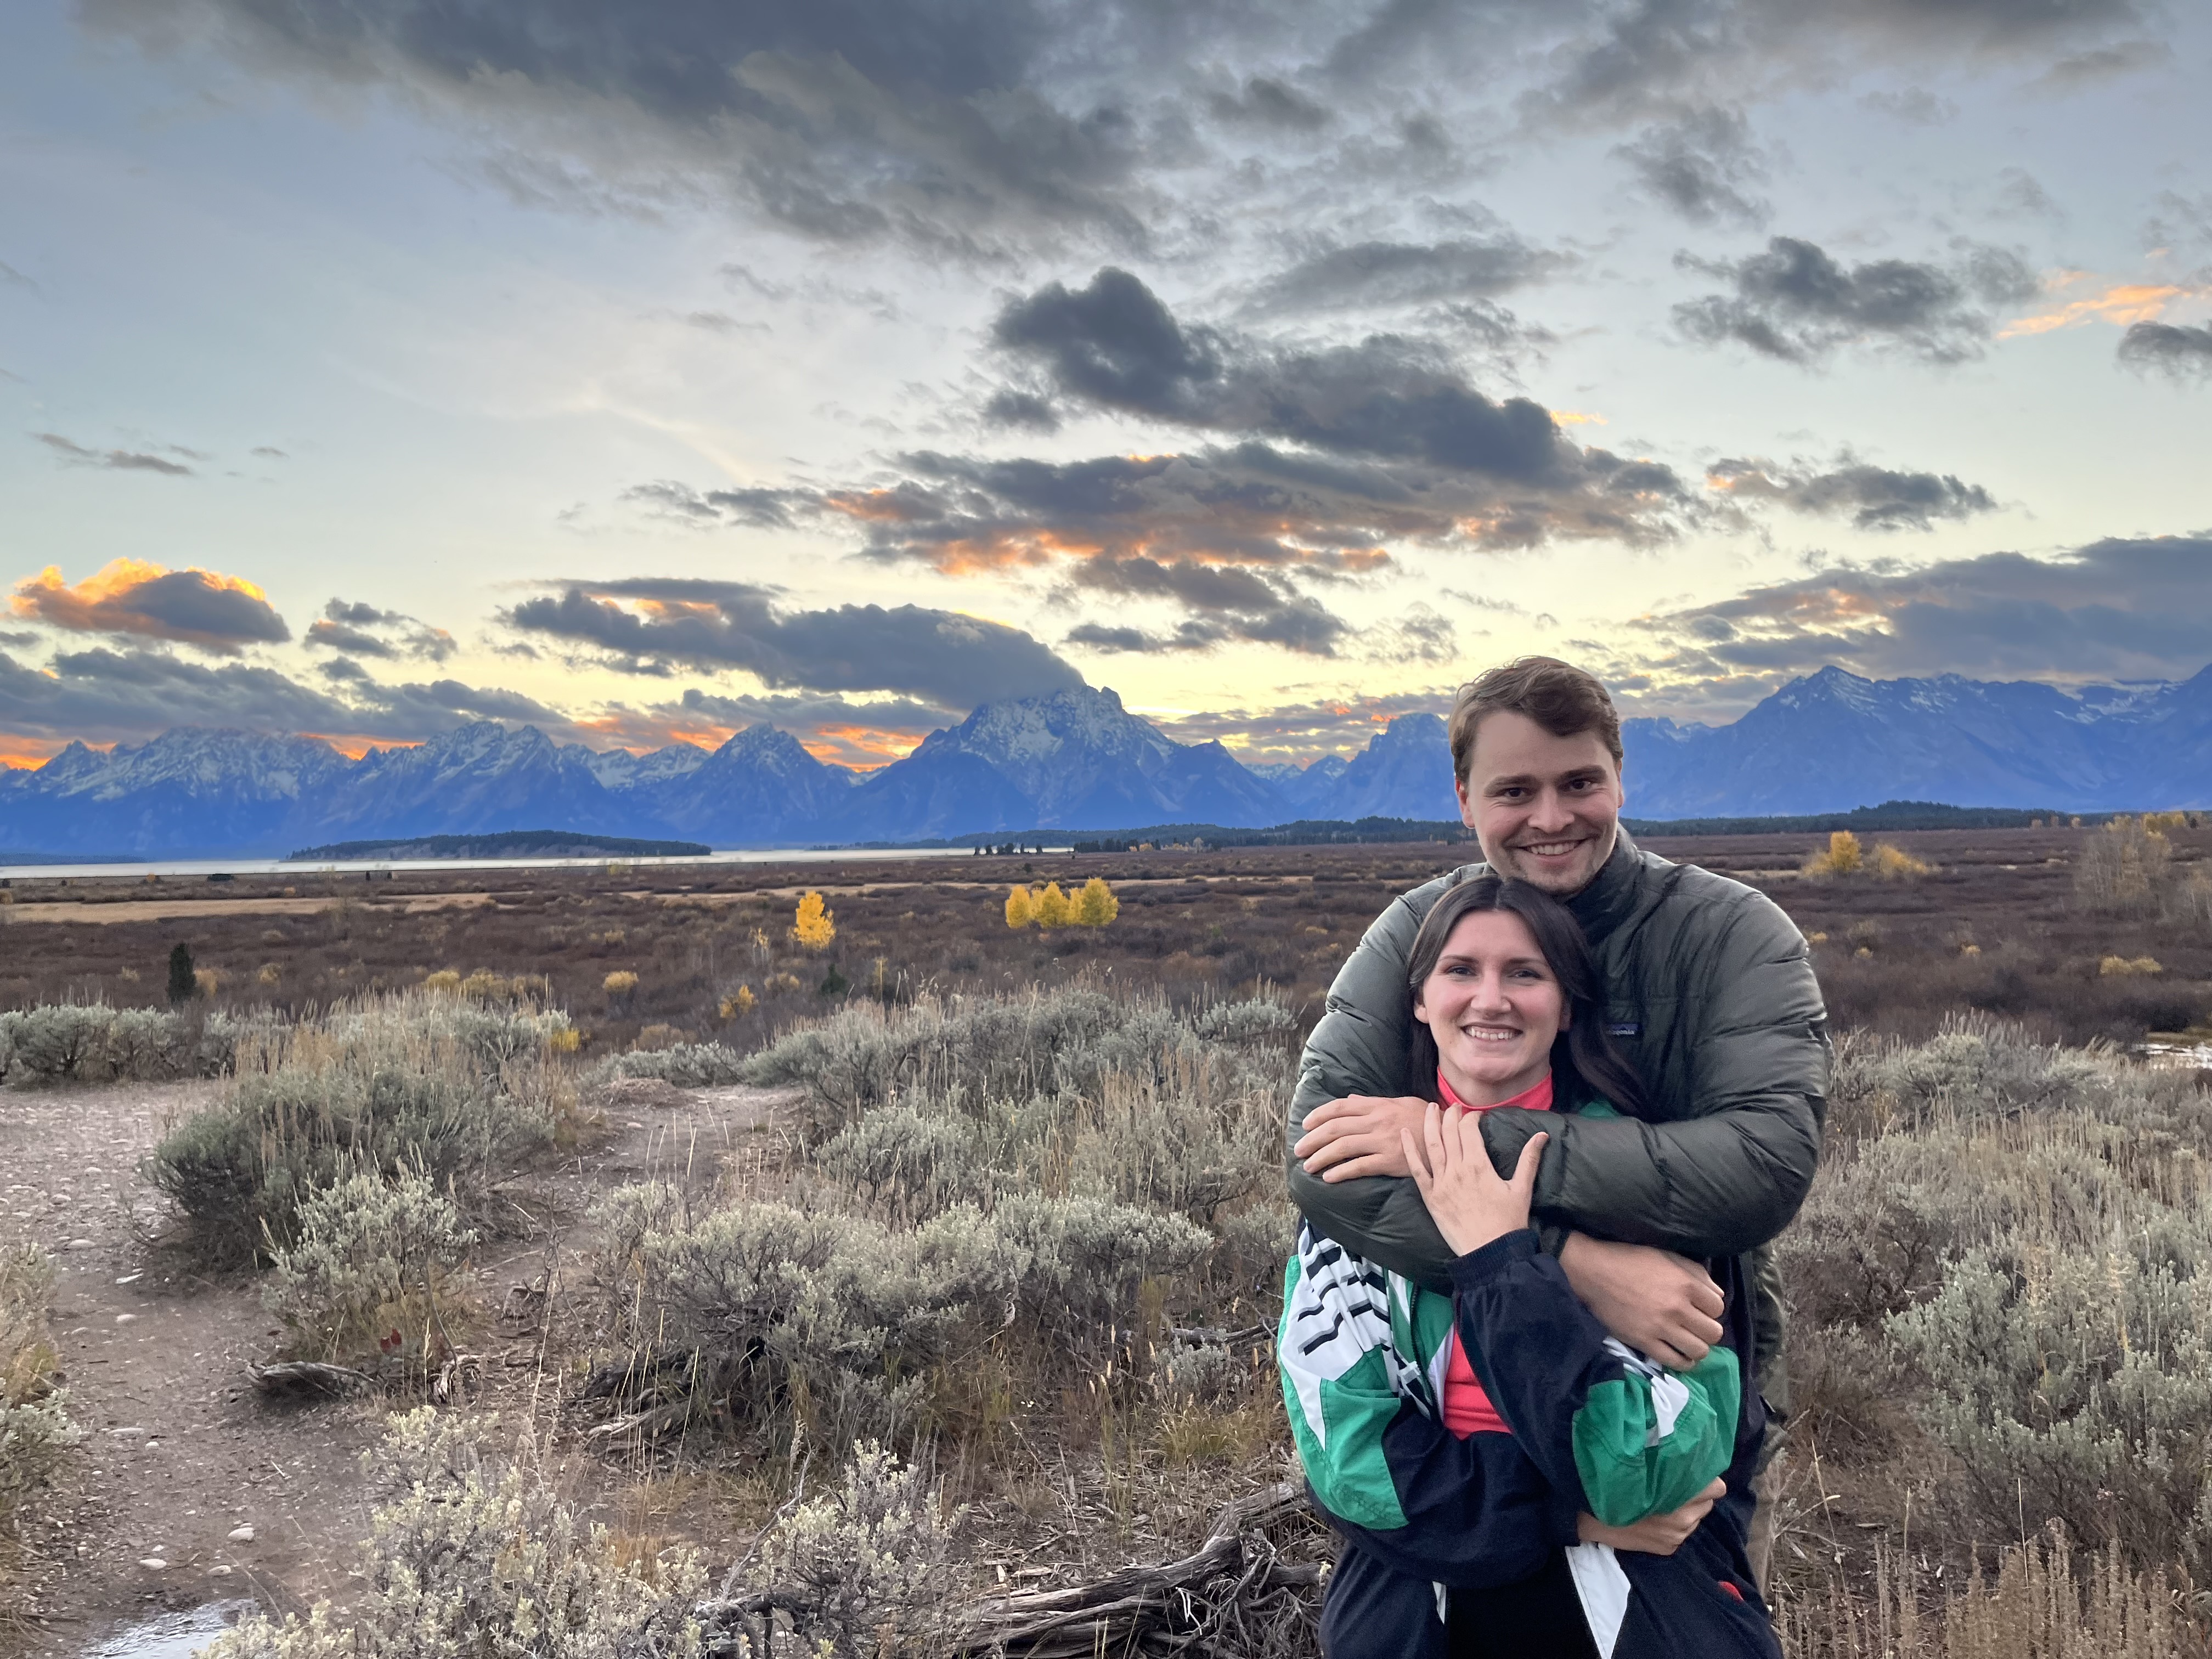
point(1712, 998)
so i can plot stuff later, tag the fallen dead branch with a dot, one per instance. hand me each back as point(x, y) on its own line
point(297, 1378)
point(1227, 1597)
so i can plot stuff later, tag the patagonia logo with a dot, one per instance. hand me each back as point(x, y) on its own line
point(1625, 1028)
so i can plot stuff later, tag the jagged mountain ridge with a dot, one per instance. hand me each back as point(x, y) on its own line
point(1078, 760)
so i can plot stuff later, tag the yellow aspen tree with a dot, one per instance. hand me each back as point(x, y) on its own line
point(813, 927)
point(1095, 905)
point(1020, 910)
point(1053, 909)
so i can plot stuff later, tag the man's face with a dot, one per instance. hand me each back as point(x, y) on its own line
point(1545, 808)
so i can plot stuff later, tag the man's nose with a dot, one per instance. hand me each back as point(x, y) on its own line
point(1551, 813)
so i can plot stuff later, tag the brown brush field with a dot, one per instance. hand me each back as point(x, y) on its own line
point(1893, 956)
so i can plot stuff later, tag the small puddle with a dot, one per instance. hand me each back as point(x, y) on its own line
point(171, 1635)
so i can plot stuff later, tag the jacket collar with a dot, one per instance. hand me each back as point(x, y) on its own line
point(1607, 902)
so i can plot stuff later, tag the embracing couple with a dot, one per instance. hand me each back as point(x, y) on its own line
point(1560, 1101)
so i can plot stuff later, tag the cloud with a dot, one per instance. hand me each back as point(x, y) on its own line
point(1221, 602)
point(114, 461)
point(1872, 497)
point(2115, 608)
point(1300, 732)
point(201, 608)
point(950, 126)
point(2115, 302)
point(270, 452)
point(1796, 302)
point(2087, 68)
point(107, 696)
point(1268, 104)
point(645, 625)
point(832, 728)
point(1114, 346)
point(1915, 105)
point(2176, 349)
point(763, 509)
point(11, 277)
point(365, 631)
point(1702, 165)
point(1379, 274)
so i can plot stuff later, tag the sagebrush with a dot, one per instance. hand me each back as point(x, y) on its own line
point(458, 1091)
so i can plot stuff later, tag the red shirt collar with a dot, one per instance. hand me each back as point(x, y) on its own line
point(1536, 1097)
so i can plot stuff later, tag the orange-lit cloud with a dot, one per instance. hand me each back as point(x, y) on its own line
point(2118, 304)
point(203, 608)
point(863, 748)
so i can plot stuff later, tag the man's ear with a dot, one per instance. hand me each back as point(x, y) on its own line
point(1466, 808)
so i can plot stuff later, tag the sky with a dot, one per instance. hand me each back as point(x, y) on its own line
point(645, 372)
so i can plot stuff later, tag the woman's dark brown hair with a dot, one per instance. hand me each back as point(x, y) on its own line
point(1585, 1065)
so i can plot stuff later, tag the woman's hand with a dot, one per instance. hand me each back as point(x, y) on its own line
point(1654, 1534)
point(1359, 1135)
point(1469, 1204)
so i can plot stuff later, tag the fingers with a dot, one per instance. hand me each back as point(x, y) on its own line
point(1709, 1301)
point(1524, 1172)
point(1432, 1133)
point(1415, 1165)
point(1370, 1163)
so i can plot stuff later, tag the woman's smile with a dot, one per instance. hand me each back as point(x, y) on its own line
point(1494, 1007)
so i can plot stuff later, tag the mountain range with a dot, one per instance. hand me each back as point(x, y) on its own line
point(1078, 760)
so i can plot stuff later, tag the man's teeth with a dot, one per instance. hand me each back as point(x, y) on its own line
point(1552, 849)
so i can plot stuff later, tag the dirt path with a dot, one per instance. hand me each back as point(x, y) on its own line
point(180, 1452)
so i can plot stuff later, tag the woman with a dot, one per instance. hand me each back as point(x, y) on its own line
point(1509, 1479)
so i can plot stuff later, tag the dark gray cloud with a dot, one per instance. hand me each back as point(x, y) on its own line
point(107, 696)
point(114, 461)
point(1702, 165)
point(1268, 104)
point(1797, 302)
point(2116, 609)
point(1378, 274)
point(1114, 346)
point(842, 120)
point(200, 608)
point(365, 631)
point(270, 452)
point(2087, 68)
point(647, 625)
point(1872, 497)
point(1633, 61)
point(763, 509)
point(1223, 603)
point(2180, 350)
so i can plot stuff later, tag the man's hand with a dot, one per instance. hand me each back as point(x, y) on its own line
point(1654, 1534)
point(1360, 1135)
point(1658, 1302)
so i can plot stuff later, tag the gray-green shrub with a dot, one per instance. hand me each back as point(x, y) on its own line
point(35, 1423)
point(415, 1081)
point(478, 1554)
point(92, 1043)
point(1037, 1177)
point(372, 1254)
point(2011, 1249)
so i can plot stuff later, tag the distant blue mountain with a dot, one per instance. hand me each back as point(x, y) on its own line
point(1834, 741)
point(1078, 760)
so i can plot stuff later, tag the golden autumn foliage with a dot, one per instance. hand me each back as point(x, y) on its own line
point(1020, 912)
point(1095, 905)
point(1052, 908)
point(813, 927)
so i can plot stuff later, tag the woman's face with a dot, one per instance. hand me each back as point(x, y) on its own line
point(1493, 1005)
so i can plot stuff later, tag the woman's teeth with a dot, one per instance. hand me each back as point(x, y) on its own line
point(1488, 1035)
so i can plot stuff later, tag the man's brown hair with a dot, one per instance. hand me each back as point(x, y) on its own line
point(1566, 701)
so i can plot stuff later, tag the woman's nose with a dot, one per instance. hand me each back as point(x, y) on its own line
point(1490, 992)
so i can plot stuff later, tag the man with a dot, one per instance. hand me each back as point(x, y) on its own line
point(1712, 998)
